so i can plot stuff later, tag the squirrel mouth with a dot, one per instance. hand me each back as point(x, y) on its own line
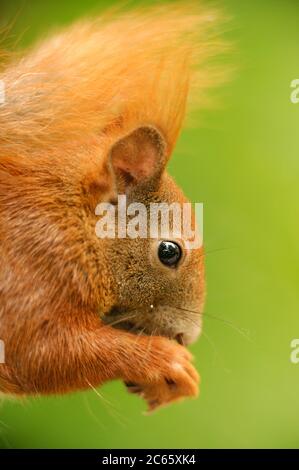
point(117, 318)
point(180, 339)
point(134, 329)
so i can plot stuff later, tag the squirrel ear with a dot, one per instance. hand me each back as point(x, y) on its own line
point(138, 157)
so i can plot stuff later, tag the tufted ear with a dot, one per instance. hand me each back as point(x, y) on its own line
point(138, 157)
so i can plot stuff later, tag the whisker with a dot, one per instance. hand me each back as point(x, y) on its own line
point(150, 341)
point(208, 252)
point(216, 250)
point(110, 408)
point(217, 356)
point(241, 331)
point(193, 312)
point(123, 319)
point(140, 333)
point(244, 332)
point(212, 344)
point(191, 320)
point(92, 414)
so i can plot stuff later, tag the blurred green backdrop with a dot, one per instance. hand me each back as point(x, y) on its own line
point(242, 162)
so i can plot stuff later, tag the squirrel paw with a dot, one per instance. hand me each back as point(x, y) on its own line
point(170, 376)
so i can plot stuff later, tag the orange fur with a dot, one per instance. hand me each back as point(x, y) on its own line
point(68, 102)
point(132, 69)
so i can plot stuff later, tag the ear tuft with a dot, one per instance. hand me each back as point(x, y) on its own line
point(139, 156)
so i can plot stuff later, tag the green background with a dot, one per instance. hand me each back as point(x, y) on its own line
point(242, 162)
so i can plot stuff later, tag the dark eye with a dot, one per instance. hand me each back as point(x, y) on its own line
point(169, 253)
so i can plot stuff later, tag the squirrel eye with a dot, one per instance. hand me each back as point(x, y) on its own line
point(169, 253)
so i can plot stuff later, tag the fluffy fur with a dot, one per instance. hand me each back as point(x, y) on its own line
point(120, 83)
point(124, 70)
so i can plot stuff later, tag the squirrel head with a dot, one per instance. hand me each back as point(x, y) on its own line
point(158, 279)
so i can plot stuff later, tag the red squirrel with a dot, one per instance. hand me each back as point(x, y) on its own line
point(90, 113)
